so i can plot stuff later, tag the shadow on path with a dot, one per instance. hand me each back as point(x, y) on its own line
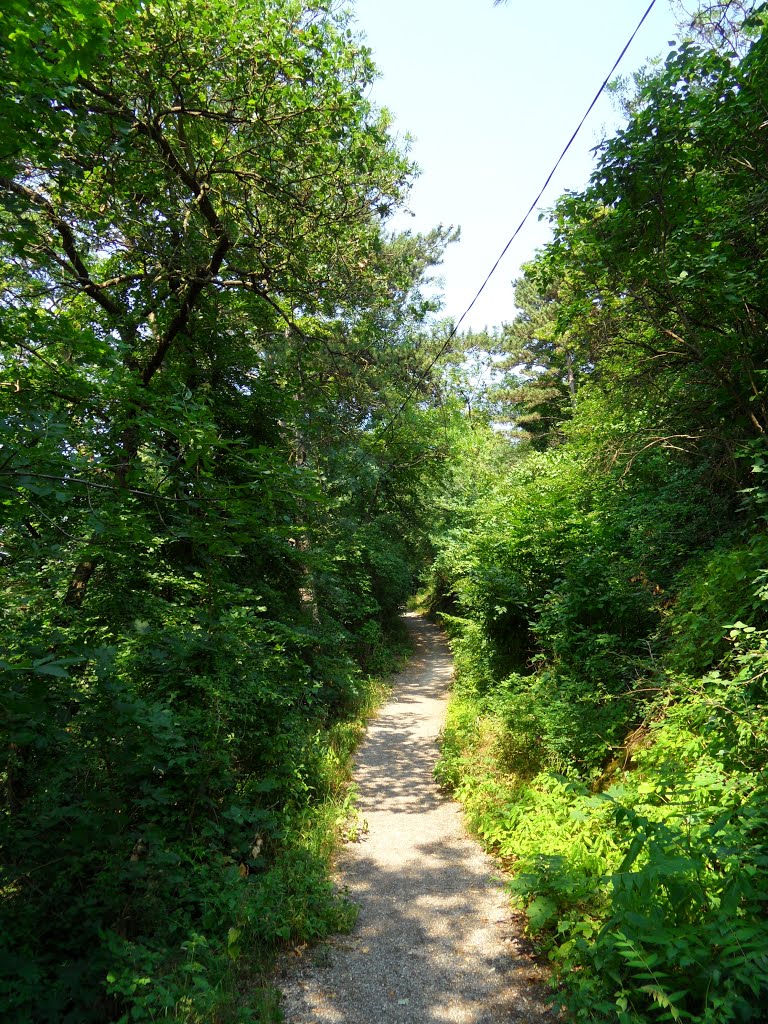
point(435, 942)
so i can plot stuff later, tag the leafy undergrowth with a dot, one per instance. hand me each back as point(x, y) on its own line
point(185, 926)
point(644, 884)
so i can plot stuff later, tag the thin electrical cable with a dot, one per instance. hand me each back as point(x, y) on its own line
point(559, 160)
point(454, 329)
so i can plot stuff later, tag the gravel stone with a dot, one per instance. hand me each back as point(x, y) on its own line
point(436, 941)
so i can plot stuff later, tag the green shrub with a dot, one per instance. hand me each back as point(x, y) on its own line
point(650, 896)
point(716, 590)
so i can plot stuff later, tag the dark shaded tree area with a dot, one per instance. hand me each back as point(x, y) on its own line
point(209, 508)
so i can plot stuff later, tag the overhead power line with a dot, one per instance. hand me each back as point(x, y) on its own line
point(559, 160)
point(454, 330)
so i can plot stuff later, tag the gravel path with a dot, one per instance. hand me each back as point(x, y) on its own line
point(435, 942)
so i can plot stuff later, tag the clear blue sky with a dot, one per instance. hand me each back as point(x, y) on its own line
point(491, 95)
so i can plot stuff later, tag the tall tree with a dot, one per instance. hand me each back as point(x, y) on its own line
point(541, 365)
point(206, 320)
point(673, 300)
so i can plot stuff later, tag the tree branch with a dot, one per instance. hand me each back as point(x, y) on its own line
point(181, 319)
point(69, 244)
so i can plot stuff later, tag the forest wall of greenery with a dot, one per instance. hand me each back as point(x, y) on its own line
point(602, 565)
point(209, 509)
point(228, 450)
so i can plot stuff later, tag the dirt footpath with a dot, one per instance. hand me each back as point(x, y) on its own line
point(435, 941)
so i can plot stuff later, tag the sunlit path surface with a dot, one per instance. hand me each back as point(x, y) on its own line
point(435, 941)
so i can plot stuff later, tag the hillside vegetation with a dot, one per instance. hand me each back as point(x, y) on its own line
point(602, 567)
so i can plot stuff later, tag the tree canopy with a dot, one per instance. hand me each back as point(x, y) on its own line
point(206, 325)
point(604, 585)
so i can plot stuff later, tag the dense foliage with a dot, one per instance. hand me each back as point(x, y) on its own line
point(210, 507)
point(602, 566)
point(227, 444)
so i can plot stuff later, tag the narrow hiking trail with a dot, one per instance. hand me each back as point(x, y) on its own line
point(435, 941)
